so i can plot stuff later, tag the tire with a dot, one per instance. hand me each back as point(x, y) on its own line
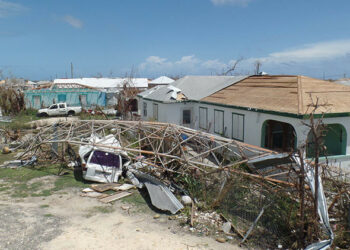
point(44, 115)
point(71, 113)
point(78, 173)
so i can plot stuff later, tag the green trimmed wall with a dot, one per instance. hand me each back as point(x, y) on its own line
point(334, 140)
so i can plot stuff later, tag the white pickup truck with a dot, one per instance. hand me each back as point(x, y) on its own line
point(59, 109)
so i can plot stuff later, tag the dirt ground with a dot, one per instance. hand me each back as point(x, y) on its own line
point(65, 220)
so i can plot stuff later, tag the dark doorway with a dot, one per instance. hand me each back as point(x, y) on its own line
point(133, 105)
point(278, 136)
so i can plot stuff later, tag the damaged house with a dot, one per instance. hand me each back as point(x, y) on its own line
point(268, 111)
point(71, 93)
point(111, 86)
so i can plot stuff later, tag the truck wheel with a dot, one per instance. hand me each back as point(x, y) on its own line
point(44, 115)
point(71, 113)
point(78, 173)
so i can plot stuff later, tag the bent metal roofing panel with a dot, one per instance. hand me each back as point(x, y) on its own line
point(193, 87)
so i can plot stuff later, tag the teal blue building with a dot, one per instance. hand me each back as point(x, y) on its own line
point(73, 95)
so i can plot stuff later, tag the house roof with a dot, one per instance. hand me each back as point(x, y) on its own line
point(289, 94)
point(192, 87)
point(63, 86)
point(106, 82)
point(162, 80)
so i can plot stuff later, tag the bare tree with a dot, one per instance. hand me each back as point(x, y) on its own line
point(127, 95)
point(318, 130)
point(230, 70)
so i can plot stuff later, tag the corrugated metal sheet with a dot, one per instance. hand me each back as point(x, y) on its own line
point(193, 87)
point(106, 82)
point(161, 196)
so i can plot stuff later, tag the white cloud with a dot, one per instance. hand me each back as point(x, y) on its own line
point(156, 64)
point(73, 21)
point(307, 59)
point(9, 8)
point(189, 61)
point(242, 3)
point(185, 65)
point(156, 60)
point(311, 52)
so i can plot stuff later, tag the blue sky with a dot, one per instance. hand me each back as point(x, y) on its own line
point(40, 38)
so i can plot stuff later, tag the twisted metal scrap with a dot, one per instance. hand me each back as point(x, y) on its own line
point(168, 147)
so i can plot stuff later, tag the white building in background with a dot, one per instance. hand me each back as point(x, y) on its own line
point(266, 111)
point(162, 80)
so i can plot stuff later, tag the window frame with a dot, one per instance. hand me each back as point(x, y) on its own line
point(206, 120)
point(190, 122)
point(243, 133)
point(154, 117)
point(223, 122)
point(144, 109)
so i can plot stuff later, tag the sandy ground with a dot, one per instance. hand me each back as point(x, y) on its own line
point(68, 221)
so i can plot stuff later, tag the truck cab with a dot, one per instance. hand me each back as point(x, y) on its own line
point(59, 109)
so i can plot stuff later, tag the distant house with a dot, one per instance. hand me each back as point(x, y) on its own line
point(267, 111)
point(111, 86)
point(72, 94)
point(162, 80)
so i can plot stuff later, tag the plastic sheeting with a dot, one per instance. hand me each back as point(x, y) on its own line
point(321, 205)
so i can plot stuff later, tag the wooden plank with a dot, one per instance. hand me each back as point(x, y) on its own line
point(115, 197)
point(94, 195)
point(104, 187)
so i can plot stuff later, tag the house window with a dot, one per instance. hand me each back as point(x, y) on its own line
point(219, 122)
point(186, 116)
point(238, 127)
point(62, 97)
point(155, 111)
point(145, 109)
point(203, 118)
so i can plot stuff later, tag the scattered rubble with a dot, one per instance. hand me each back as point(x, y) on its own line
point(171, 161)
point(19, 163)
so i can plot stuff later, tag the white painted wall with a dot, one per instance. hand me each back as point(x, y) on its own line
point(253, 122)
point(167, 112)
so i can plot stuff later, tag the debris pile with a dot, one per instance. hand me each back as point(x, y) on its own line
point(267, 197)
point(97, 191)
point(11, 100)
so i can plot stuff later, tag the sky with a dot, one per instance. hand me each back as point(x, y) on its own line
point(39, 39)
